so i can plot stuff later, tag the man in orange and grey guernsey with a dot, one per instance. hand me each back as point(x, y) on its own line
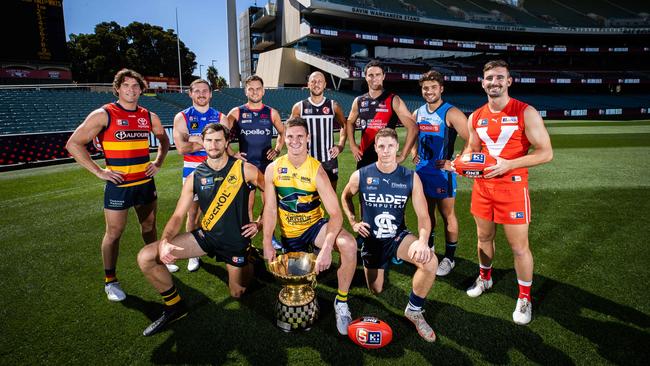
point(122, 129)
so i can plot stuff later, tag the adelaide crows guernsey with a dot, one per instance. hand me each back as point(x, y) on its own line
point(435, 139)
point(255, 134)
point(503, 134)
point(299, 205)
point(223, 197)
point(383, 198)
point(320, 123)
point(374, 114)
point(125, 141)
point(195, 122)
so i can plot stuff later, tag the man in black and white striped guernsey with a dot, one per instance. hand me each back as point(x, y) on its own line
point(320, 113)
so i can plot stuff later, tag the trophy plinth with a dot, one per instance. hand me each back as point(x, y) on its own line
point(297, 307)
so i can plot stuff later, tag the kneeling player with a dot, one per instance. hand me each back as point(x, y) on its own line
point(296, 184)
point(385, 189)
point(222, 186)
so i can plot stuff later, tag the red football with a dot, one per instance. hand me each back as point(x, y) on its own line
point(370, 332)
point(471, 165)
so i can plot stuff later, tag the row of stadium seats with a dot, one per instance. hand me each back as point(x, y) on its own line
point(33, 111)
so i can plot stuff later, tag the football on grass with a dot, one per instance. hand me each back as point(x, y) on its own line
point(370, 332)
point(471, 165)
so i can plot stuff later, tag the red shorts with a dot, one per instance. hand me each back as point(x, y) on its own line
point(502, 203)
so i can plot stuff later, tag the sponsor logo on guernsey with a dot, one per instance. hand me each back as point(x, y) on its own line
point(192, 118)
point(372, 181)
point(122, 122)
point(516, 215)
point(305, 179)
point(205, 181)
point(381, 110)
point(364, 103)
point(425, 127)
point(477, 158)
point(482, 122)
point(142, 122)
point(264, 116)
point(398, 185)
point(203, 119)
point(131, 135)
point(509, 120)
point(307, 110)
point(379, 198)
point(246, 115)
point(326, 110)
point(257, 132)
point(238, 260)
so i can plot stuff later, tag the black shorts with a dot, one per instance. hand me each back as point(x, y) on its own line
point(369, 156)
point(377, 253)
point(236, 254)
point(306, 242)
point(331, 167)
point(121, 198)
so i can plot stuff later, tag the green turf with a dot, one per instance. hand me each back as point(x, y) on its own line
point(589, 237)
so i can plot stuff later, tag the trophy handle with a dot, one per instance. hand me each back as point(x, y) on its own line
point(314, 283)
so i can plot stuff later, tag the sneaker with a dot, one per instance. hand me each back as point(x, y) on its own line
point(276, 244)
point(168, 316)
point(172, 267)
point(396, 260)
point(343, 317)
point(523, 312)
point(445, 266)
point(193, 264)
point(423, 328)
point(114, 292)
point(479, 287)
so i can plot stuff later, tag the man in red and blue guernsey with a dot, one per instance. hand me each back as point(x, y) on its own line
point(188, 125)
point(123, 129)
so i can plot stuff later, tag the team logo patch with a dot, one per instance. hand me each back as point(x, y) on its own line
point(192, 118)
point(326, 110)
point(122, 122)
point(364, 103)
point(232, 179)
point(372, 181)
point(516, 215)
point(482, 122)
point(477, 158)
point(307, 111)
point(237, 260)
point(509, 120)
point(142, 122)
point(283, 170)
point(194, 125)
point(246, 115)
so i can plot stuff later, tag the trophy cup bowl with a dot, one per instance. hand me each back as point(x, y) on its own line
point(297, 307)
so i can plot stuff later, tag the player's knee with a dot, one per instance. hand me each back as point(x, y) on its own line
point(148, 226)
point(346, 244)
point(521, 250)
point(237, 293)
point(376, 288)
point(486, 238)
point(148, 255)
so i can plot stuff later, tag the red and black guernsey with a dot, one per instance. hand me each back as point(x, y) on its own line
point(125, 141)
point(374, 114)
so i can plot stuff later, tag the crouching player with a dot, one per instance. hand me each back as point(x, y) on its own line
point(222, 186)
point(385, 188)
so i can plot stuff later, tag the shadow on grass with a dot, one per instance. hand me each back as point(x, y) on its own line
point(622, 340)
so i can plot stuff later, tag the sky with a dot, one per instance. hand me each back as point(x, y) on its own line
point(206, 38)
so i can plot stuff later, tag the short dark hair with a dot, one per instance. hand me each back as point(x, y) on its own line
point(494, 64)
point(124, 73)
point(253, 78)
point(432, 75)
point(200, 81)
point(297, 122)
point(216, 127)
point(374, 63)
point(386, 132)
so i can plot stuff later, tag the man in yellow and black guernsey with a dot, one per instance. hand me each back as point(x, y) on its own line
point(221, 184)
point(295, 186)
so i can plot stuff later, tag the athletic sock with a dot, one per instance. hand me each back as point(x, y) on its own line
point(171, 296)
point(432, 239)
point(341, 297)
point(109, 276)
point(415, 302)
point(524, 289)
point(486, 272)
point(450, 250)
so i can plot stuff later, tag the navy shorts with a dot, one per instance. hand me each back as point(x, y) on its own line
point(331, 167)
point(377, 253)
point(122, 198)
point(439, 184)
point(236, 254)
point(306, 241)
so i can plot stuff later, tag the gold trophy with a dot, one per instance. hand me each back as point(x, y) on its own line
point(297, 306)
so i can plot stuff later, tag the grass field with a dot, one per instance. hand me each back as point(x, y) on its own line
point(589, 237)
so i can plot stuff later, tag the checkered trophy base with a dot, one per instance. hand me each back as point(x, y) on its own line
point(294, 317)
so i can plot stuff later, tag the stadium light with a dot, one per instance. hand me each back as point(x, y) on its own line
point(201, 71)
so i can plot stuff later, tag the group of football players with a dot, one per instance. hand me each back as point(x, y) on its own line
point(300, 186)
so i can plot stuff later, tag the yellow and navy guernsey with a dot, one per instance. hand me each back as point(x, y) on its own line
point(125, 141)
point(299, 205)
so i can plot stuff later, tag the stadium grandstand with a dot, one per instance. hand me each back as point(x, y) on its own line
point(586, 59)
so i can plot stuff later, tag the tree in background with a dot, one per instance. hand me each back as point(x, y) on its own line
point(217, 81)
point(143, 47)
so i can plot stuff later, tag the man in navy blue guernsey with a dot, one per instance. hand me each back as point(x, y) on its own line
point(438, 125)
point(252, 123)
point(385, 188)
point(188, 125)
